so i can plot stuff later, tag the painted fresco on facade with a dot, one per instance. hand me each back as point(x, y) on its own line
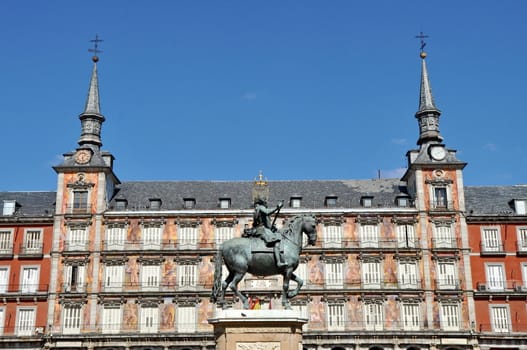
point(168, 273)
point(168, 312)
point(206, 234)
point(390, 271)
point(134, 232)
point(205, 311)
point(392, 311)
point(131, 279)
point(352, 274)
point(206, 272)
point(169, 233)
point(316, 272)
point(355, 314)
point(316, 313)
point(130, 318)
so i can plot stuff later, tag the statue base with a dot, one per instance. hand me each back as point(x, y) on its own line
point(258, 329)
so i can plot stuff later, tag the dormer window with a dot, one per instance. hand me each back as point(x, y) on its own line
point(366, 201)
point(520, 206)
point(189, 203)
point(402, 201)
point(225, 203)
point(9, 207)
point(331, 201)
point(295, 202)
point(121, 204)
point(155, 203)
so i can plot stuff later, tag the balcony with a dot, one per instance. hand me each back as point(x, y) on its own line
point(521, 248)
point(33, 250)
point(444, 244)
point(441, 205)
point(6, 251)
point(519, 328)
point(79, 209)
point(445, 284)
point(76, 246)
point(492, 249)
point(499, 287)
point(75, 288)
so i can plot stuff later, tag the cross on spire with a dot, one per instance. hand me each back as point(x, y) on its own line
point(95, 49)
point(422, 36)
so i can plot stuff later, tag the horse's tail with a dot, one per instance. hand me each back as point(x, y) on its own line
point(216, 287)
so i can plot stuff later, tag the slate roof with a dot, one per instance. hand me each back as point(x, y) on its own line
point(31, 204)
point(207, 193)
point(493, 200)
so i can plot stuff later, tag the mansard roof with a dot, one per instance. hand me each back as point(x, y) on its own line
point(493, 200)
point(313, 193)
point(30, 204)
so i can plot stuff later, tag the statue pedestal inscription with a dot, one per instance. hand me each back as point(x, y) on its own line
point(258, 329)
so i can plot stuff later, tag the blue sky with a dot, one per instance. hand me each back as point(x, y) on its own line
point(218, 90)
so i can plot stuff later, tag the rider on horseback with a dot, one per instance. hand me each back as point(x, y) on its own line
point(264, 229)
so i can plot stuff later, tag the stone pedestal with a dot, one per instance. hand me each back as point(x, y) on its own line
point(258, 329)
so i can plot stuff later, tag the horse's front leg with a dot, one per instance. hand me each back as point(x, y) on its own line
point(285, 289)
point(299, 284)
point(234, 286)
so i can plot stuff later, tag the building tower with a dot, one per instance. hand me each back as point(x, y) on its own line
point(435, 182)
point(86, 183)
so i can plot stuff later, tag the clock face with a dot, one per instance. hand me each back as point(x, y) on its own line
point(438, 152)
point(83, 156)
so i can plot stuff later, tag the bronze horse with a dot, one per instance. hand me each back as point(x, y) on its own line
point(242, 255)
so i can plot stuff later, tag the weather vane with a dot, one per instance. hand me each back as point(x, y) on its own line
point(95, 49)
point(422, 36)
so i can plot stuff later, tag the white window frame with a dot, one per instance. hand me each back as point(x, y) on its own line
point(372, 273)
point(77, 238)
point(440, 202)
point(152, 235)
point(115, 237)
point(188, 237)
point(335, 318)
point(25, 320)
point(4, 278)
point(407, 274)
point(2, 319)
point(444, 236)
point(186, 318)
point(524, 274)
point(76, 282)
point(6, 241)
point(71, 319)
point(374, 316)
point(111, 319)
point(406, 237)
point(491, 239)
point(333, 271)
point(410, 316)
point(33, 240)
point(522, 238)
point(449, 316)
point(447, 275)
point(80, 203)
point(149, 319)
point(332, 234)
point(500, 318)
point(495, 274)
point(150, 277)
point(520, 206)
point(369, 235)
point(187, 275)
point(113, 278)
point(223, 233)
point(29, 278)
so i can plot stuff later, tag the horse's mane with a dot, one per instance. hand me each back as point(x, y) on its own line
point(292, 225)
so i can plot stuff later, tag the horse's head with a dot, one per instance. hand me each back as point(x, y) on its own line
point(309, 227)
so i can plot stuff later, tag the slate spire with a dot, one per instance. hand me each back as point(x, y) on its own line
point(427, 113)
point(91, 118)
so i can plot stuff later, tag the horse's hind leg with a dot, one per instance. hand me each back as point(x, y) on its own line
point(234, 286)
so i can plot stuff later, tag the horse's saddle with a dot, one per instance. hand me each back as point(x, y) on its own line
point(259, 246)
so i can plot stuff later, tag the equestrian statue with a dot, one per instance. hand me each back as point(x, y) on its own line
point(263, 251)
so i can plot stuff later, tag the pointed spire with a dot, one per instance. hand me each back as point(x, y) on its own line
point(426, 99)
point(427, 114)
point(92, 102)
point(91, 118)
